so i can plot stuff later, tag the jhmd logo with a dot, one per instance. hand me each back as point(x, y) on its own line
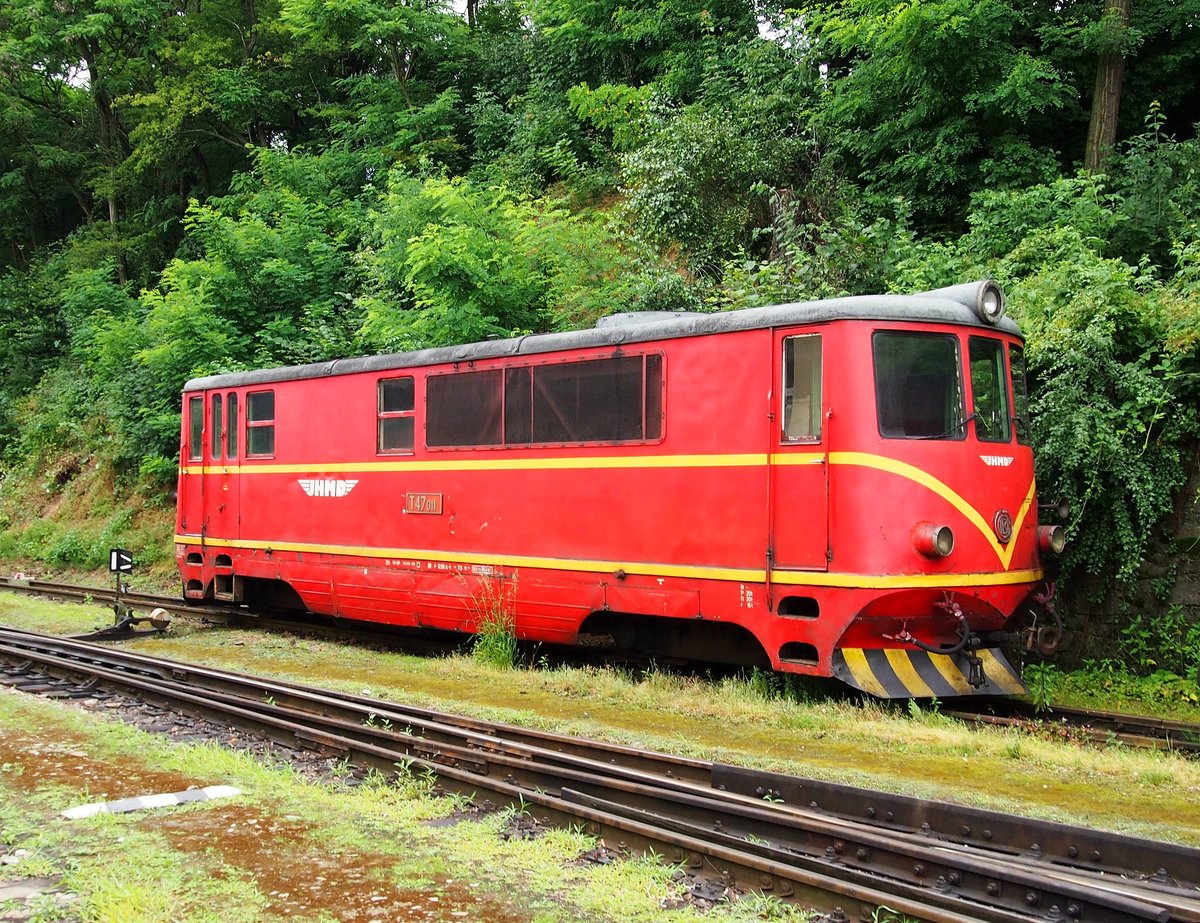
point(997, 461)
point(326, 487)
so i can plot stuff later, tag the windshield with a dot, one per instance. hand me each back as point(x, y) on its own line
point(989, 390)
point(918, 385)
point(1016, 358)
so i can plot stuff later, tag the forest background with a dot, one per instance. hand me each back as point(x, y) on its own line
point(199, 186)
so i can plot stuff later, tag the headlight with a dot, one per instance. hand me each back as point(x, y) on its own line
point(1052, 539)
point(932, 541)
point(990, 305)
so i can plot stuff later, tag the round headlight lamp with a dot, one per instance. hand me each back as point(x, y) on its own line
point(932, 541)
point(990, 304)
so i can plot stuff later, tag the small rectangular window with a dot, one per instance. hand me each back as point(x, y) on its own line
point(260, 423)
point(989, 390)
point(918, 385)
point(394, 412)
point(464, 409)
point(802, 389)
point(214, 436)
point(195, 428)
point(1016, 360)
point(231, 431)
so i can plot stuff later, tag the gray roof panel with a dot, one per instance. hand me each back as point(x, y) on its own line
point(945, 306)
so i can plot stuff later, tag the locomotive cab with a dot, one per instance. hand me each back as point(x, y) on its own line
point(932, 501)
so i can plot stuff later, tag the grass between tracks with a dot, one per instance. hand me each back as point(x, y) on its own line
point(908, 750)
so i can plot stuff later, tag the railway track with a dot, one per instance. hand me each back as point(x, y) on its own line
point(833, 847)
point(1098, 726)
point(1101, 726)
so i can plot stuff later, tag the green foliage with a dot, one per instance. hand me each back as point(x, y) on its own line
point(1166, 642)
point(1159, 692)
point(492, 612)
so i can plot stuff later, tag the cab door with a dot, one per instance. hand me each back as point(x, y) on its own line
point(223, 447)
point(799, 455)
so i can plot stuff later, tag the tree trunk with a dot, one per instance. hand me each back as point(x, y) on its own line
point(1106, 96)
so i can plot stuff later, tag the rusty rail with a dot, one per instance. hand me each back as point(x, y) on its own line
point(678, 807)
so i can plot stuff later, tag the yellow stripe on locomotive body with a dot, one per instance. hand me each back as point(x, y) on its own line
point(898, 673)
point(859, 459)
point(646, 569)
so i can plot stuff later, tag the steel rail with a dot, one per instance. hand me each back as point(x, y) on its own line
point(1101, 726)
point(517, 766)
point(860, 895)
point(1042, 843)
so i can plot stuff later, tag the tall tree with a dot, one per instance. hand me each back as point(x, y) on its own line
point(1106, 95)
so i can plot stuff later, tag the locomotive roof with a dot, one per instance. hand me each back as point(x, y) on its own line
point(954, 305)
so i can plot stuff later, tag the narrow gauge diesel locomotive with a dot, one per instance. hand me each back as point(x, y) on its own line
point(840, 487)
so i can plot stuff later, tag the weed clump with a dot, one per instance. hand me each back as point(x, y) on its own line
point(493, 612)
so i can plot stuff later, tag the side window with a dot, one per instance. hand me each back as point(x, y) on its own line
point(195, 428)
point(918, 385)
point(260, 423)
point(1016, 360)
point(214, 434)
point(394, 412)
point(802, 388)
point(599, 400)
point(989, 390)
point(464, 408)
point(594, 400)
point(231, 430)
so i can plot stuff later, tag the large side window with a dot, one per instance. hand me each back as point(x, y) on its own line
point(989, 390)
point(231, 431)
point(195, 428)
point(802, 388)
point(464, 409)
point(260, 423)
point(214, 434)
point(595, 400)
point(918, 385)
point(600, 400)
point(1016, 360)
point(394, 411)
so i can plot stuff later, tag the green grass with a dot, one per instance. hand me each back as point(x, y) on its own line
point(142, 867)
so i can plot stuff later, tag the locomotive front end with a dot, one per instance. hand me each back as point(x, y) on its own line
point(933, 499)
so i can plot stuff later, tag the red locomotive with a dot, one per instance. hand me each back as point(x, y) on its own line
point(840, 487)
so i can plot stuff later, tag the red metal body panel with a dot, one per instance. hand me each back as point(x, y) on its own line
point(807, 545)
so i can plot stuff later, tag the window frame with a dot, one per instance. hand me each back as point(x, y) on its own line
point(196, 413)
point(653, 400)
point(1005, 377)
point(382, 415)
point(231, 426)
point(216, 418)
point(264, 424)
point(816, 413)
point(957, 432)
point(1022, 426)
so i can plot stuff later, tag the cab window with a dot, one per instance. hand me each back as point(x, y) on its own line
point(918, 385)
point(260, 423)
point(989, 390)
point(231, 431)
point(214, 434)
point(394, 415)
point(195, 428)
point(802, 388)
point(1016, 361)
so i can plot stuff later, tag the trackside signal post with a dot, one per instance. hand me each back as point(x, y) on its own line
point(120, 563)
